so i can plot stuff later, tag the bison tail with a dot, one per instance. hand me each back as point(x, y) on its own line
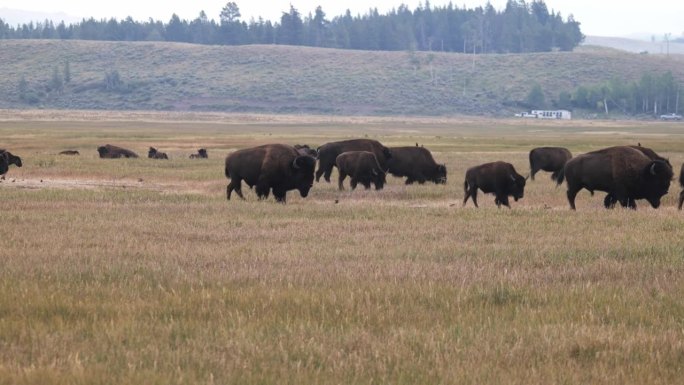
point(227, 172)
point(465, 186)
point(560, 176)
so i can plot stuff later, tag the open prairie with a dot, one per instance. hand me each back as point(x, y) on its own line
point(139, 271)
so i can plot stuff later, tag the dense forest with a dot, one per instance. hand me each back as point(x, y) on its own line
point(519, 27)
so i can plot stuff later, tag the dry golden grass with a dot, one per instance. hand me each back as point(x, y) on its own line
point(105, 278)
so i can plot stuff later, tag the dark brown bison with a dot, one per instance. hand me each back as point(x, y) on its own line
point(327, 154)
point(7, 159)
point(304, 149)
point(624, 172)
point(609, 201)
point(109, 151)
point(154, 154)
point(416, 164)
point(273, 166)
point(201, 154)
point(362, 167)
point(551, 159)
point(69, 152)
point(499, 178)
point(681, 184)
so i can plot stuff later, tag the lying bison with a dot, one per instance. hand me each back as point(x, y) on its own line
point(327, 154)
point(273, 166)
point(69, 152)
point(154, 154)
point(201, 154)
point(110, 152)
point(416, 164)
point(624, 172)
point(551, 159)
point(7, 159)
point(362, 167)
point(609, 201)
point(499, 178)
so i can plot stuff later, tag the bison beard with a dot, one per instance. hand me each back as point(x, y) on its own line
point(623, 172)
point(275, 167)
point(499, 178)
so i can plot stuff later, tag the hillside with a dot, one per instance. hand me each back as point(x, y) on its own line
point(285, 79)
point(634, 45)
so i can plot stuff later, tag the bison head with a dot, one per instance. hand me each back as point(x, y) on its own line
point(657, 177)
point(152, 152)
point(303, 172)
point(12, 159)
point(517, 186)
point(440, 174)
point(386, 152)
point(379, 178)
point(102, 150)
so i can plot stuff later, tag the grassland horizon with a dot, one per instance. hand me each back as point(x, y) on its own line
point(139, 271)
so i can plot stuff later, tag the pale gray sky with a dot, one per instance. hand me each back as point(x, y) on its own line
point(598, 17)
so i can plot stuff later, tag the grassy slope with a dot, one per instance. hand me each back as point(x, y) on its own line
point(296, 79)
point(402, 286)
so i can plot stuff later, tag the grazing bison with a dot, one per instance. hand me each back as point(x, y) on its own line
point(499, 178)
point(327, 154)
point(609, 201)
point(154, 154)
point(69, 152)
point(201, 154)
point(304, 149)
point(550, 159)
point(273, 166)
point(416, 164)
point(7, 159)
point(110, 152)
point(681, 184)
point(362, 167)
point(624, 172)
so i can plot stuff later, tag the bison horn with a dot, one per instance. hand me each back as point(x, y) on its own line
point(512, 177)
point(527, 177)
point(374, 172)
point(294, 163)
point(653, 170)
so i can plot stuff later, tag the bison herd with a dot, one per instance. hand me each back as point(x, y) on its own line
point(625, 173)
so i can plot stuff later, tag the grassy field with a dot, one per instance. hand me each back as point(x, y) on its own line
point(140, 272)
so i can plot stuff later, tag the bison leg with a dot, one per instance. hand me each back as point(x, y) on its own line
point(473, 196)
point(327, 174)
point(234, 185)
point(681, 200)
point(572, 193)
point(504, 201)
point(280, 196)
point(352, 183)
point(262, 191)
point(319, 172)
point(340, 180)
point(409, 180)
point(609, 201)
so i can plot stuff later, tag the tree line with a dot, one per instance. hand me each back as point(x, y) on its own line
point(520, 27)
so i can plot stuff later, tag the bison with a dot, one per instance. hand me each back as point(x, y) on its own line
point(609, 201)
point(551, 159)
point(7, 159)
point(499, 178)
point(304, 149)
point(273, 166)
point(362, 167)
point(110, 152)
point(69, 152)
point(201, 154)
point(327, 154)
point(154, 154)
point(624, 172)
point(416, 164)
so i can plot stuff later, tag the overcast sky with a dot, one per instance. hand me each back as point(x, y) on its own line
point(597, 17)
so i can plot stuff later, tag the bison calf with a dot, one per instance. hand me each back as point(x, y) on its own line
point(362, 167)
point(327, 154)
point(273, 166)
point(499, 178)
point(201, 154)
